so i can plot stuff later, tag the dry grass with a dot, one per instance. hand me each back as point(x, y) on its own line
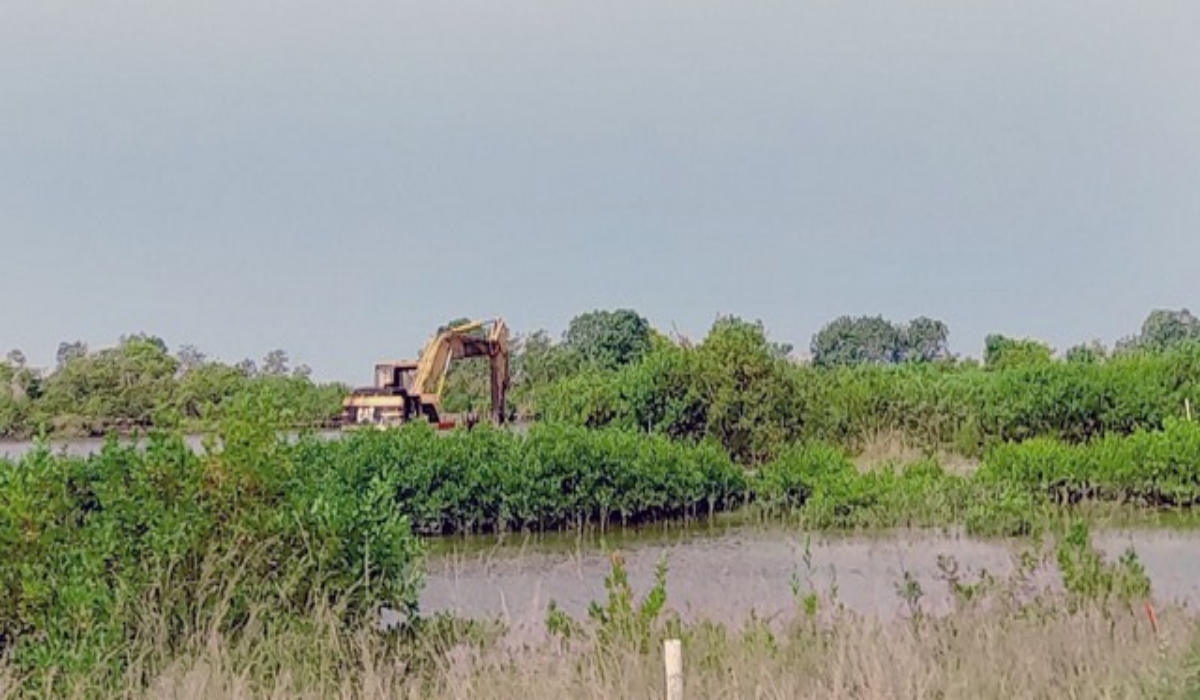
point(1004, 638)
point(974, 653)
point(889, 448)
point(1091, 655)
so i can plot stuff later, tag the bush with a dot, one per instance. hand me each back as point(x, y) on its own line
point(89, 540)
point(492, 480)
point(792, 479)
point(1157, 468)
point(819, 482)
point(732, 388)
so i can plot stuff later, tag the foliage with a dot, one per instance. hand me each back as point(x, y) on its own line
point(89, 540)
point(468, 388)
point(117, 387)
point(139, 385)
point(275, 364)
point(1001, 510)
point(16, 386)
point(822, 487)
point(1164, 329)
point(1017, 487)
point(863, 340)
point(848, 341)
point(1157, 468)
point(926, 340)
point(536, 364)
point(488, 479)
point(1006, 636)
point(287, 523)
point(608, 339)
point(1089, 579)
point(1016, 625)
point(1000, 352)
point(1086, 353)
point(737, 387)
point(734, 389)
point(795, 476)
point(622, 620)
point(263, 529)
point(70, 351)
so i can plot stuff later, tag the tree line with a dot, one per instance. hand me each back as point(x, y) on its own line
point(140, 383)
point(738, 386)
point(868, 377)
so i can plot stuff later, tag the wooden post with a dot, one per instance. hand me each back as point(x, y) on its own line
point(673, 661)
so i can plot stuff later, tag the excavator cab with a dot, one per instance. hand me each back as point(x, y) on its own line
point(395, 375)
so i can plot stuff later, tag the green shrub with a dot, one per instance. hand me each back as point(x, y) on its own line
point(89, 541)
point(492, 480)
point(732, 389)
point(791, 480)
point(1001, 512)
point(820, 483)
point(1088, 578)
point(1157, 468)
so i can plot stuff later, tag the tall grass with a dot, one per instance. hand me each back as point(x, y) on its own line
point(1002, 640)
point(1092, 654)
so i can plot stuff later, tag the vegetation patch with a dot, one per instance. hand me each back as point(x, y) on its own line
point(487, 480)
point(245, 535)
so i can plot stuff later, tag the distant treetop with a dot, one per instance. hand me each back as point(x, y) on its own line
point(863, 340)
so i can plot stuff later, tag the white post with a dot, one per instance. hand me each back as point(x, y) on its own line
point(1187, 408)
point(673, 661)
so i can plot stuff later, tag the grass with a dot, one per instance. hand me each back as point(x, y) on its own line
point(889, 449)
point(1091, 636)
point(1044, 652)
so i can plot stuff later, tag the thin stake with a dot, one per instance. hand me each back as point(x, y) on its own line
point(1152, 614)
point(673, 661)
point(1187, 409)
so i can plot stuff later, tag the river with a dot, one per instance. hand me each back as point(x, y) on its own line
point(725, 574)
point(77, 447)
point(15, 449)
point(81, 447)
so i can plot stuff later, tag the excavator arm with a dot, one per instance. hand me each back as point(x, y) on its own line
point(435, 358)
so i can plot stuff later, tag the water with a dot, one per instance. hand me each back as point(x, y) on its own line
point(725, 575)
point(78, 447)
point(82, 447)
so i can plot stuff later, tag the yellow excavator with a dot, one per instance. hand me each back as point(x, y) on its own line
point(407, 390)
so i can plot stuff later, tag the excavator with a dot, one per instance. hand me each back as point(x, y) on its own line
point(408, 390)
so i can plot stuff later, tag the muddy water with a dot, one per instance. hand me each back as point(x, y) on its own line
point(81, 447)
point(726, 575)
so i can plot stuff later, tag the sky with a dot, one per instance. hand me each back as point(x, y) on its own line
point(337, 179)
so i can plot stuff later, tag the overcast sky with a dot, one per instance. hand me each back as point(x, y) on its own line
point(337, 178)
